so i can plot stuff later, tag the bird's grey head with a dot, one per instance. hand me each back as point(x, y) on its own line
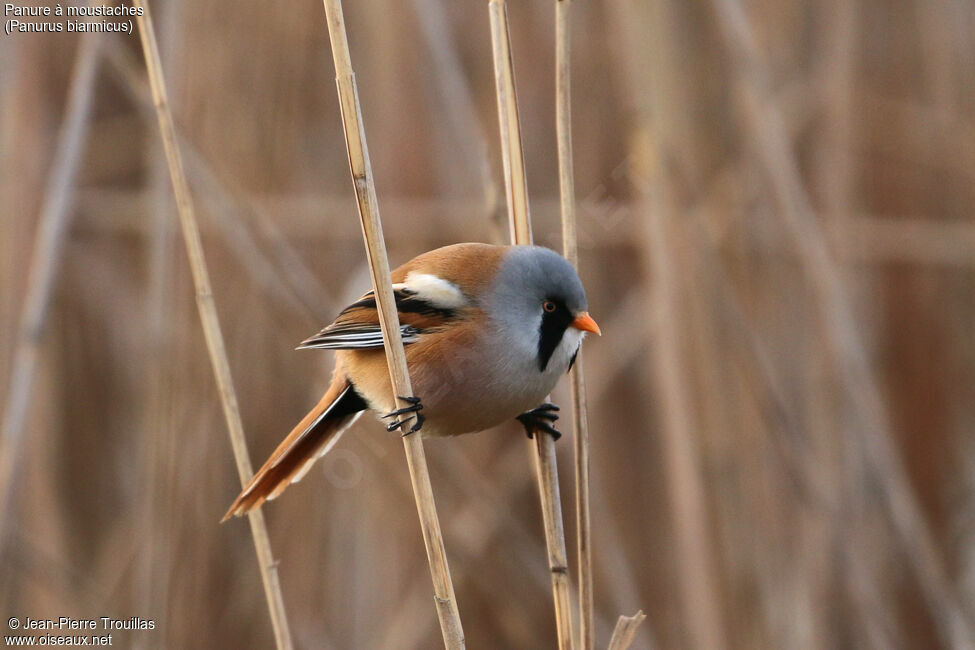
point(536, 297)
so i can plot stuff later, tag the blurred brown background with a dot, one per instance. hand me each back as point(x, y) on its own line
point(775, 202)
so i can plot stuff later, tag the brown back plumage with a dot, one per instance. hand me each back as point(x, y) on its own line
point(470, 266)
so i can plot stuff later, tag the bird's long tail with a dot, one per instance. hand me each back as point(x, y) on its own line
point(308, 441)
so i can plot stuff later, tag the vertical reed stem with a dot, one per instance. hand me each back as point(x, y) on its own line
point(211, 324)
point(563, 127)
point(513, 156)
point(45, 261)
point(365, 191)
point(516, 190)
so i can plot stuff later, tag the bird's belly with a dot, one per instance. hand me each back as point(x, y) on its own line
point(462, 396)
point(474, 398)
point(457, 410)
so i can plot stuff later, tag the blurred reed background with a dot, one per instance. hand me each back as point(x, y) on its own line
point(775, 207)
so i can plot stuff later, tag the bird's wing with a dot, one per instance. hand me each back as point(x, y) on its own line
point(357, 327)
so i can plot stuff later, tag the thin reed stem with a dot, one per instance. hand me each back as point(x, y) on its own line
point(521, 233)
point(239, 218)
point(563, 129)
point(513, 156)
point(365, 190)
point(45, 261)
point(580, 418)
point(211, 324)
point(547, 471)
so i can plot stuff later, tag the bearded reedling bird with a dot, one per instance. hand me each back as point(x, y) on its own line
point(488, 332)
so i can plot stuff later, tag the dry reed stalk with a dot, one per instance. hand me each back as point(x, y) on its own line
point(580, 418)
point(513, 156)
point(700, 599)
point(753, 361)
point(283, 278)
point(238, 218)
point(157, 440)
point(494, 525)
point(365, 192)
point(465, 134)
point(154, 579)
point(546, 468)
point(45, 262)
point(625, 630)
point(210, 322)
point(516, 190)
point(880, 456)
point(834, 172)
point(698, 583)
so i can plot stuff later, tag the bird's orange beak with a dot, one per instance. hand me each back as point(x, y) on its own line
point(585, 323)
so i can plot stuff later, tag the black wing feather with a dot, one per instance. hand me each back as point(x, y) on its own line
point(352, 333)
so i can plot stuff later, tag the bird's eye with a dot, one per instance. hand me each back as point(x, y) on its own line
point(548, 306)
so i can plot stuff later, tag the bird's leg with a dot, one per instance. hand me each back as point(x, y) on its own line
point(414, 407)
point(541, 419)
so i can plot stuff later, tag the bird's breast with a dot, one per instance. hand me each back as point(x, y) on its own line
point(467, 381)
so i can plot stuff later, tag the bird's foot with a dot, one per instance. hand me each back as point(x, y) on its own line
point(414, 407)
point(541, 419)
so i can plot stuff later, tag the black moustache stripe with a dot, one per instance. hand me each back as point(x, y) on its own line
point(550, 333)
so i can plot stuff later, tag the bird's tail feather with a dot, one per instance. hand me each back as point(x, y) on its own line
point(308, 441)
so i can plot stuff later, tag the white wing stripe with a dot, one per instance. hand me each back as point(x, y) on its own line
point(435, 290)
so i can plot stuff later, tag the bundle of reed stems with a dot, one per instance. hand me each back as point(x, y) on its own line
point(770, 214)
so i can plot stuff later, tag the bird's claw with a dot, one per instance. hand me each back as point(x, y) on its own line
point(541, 419)
point(414, 407)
